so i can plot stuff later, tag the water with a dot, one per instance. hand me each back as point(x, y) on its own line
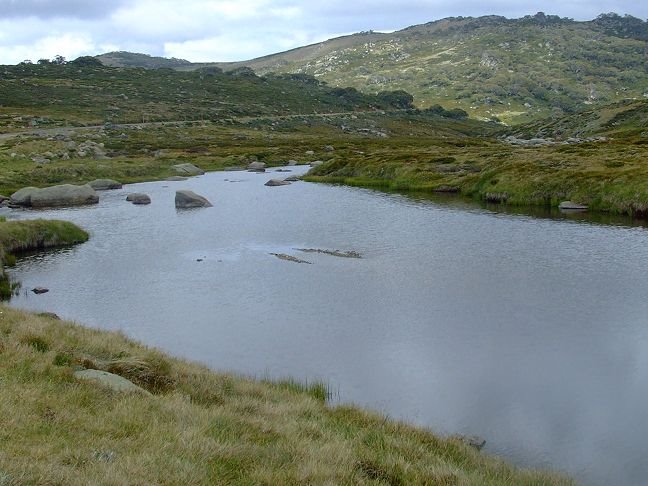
point(530, 332)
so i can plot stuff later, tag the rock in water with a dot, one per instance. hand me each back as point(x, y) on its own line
point(277, 182)
point(105, 184)
point(572, 206)
point(110, 380)
point(189, 199)
point(40, 290)
point(176, 178)
point(63, 195)
point(138, 198)
point(257, 166)
point(188, 169)
point(22, 197)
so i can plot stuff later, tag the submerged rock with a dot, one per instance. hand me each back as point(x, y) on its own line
point(471, 440)
point(138, 198)
point(188, 199)
point(40, 290)
point(176, 178)
point(289, 258)
point(276, 182)
point(105, 184)
point(572, 206)
point(337, 253)
point(293, 178)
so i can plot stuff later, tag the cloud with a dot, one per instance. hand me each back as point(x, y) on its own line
point(48, 9)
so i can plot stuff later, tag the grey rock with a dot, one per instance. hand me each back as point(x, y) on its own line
point(472, 440)
point(572, 206)
point(49, 315)
point(277, 182)
point(64, 195)
point(40, 290)
point(105, 184)
point(257, 166)
point(138, 198)
point(293, 162)
point(316, 163)
point(188, 199)
point(188, 169)
point(39, 159)
point(292, 178)
point(176, 178)
point(329, 148)
point(110, 380)
point(22, 197)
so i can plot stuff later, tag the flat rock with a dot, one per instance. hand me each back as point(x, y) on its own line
point(277, 182)
point(138, 198)
point(289, 258)
point(188, 169)
point(188, 199)
point(40, 290)
point(105, 184)
point(110, 380)
point(176, 178)
point(572, 206)
point(63, 195)
point(292, 178)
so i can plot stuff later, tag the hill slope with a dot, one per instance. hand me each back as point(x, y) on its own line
point(512, 69)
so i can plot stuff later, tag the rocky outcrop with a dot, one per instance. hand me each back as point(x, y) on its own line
point(110, 380)
point(105, 184)
point(188, 169)
point(138, 198)
point(277, 182)
point(189, 199)
point(54, 196)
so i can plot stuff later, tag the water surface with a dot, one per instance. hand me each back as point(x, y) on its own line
point(530, 332)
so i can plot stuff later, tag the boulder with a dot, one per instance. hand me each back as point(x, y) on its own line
point(64, 195)
point(292, 178)
point(257, 166)
point(22, 197)
point(104, 184)
point(316, 163)
point(40, 290)
point(329, 148)
point(138, 198)
point(188, 169)
point(189, 199)
point(293, 162)
point(277, 182)
point(176, 178)
point(110, 380)
point(572, 206)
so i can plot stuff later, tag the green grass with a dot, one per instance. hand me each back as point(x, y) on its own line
point(199, 426)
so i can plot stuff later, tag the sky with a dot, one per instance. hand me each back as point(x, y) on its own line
point(235, 30)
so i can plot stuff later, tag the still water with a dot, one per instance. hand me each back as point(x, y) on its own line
point(530, 332)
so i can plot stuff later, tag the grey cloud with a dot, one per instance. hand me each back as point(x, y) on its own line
point(48, 9)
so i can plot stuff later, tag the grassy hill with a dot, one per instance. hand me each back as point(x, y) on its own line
point(514, 70)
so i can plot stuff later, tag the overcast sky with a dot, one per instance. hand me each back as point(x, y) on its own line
point(232, 30)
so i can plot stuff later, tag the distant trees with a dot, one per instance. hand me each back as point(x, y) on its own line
point(398, 99)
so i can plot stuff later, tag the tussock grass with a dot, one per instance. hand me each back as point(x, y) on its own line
point(199, 426)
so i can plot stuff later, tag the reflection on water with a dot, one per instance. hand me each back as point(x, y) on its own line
point(528, 331)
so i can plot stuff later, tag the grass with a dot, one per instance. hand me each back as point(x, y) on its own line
point(199, 426)
point(22, 236)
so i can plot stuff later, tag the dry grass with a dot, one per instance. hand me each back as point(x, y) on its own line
point(198, 427)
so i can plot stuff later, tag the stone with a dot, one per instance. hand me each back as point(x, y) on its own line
point(64, 195)
point(22, 197)
point(316, 163)
point(110, 380)
point(138, 198)
point(176, 178)
point(188, 199)
point(105, 184)
point(293, 162)
point(257, 166)
point(472, 441)
point(292, 178)
point(49, 315)
point(40, 290)
point(277, 182)
point(572, 206)
point(188, 169)
point(329, 148)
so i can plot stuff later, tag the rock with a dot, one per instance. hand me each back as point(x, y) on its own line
point(49, 315)
point(105, 184)
point(446, 189)
point(110, 380)
point(39, 159)
point(283, 170)
point(292, 178)
point(309, 152)
point(138, 198)
point(257, 166)
point(189, 199)
point(176, 178)
point(22, 197)
point(188, 169)
point(572, 206)
point(289, 258)
point(496, 197)
point(293, 162)
point(64, 195)
point(329, 148)
point(316, 163)
point(471, 440)
point(277, 182)
point(40, 290)
point(335, 253)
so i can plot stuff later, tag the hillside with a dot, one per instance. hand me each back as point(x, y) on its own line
point(514, 70)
